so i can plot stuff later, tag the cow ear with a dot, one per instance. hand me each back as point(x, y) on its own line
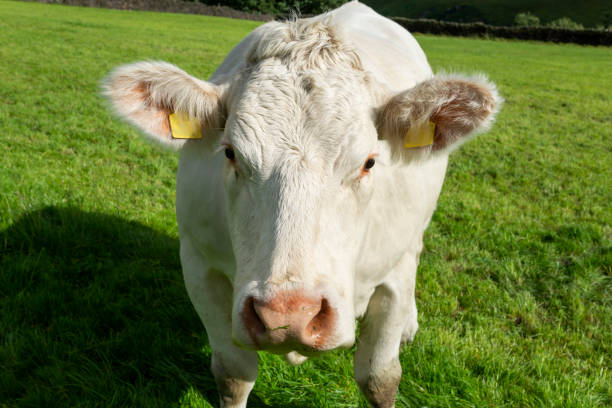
point(146, 94)
point(438, 115)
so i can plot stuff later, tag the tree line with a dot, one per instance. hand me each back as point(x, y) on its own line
point(277, 7)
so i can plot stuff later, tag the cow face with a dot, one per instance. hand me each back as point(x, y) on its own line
point(301, 147)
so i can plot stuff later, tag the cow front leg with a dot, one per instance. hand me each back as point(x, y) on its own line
point(412, 325)
point(390, 320)
point(235, 375)
point(210, 291)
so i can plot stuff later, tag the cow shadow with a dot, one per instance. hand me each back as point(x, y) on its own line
point(95, 313)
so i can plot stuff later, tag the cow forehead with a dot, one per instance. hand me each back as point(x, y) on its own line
point(322, 117)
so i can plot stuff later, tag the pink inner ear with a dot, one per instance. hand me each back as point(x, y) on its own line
point(469, 105)
point(164, 122)
point(150, 115)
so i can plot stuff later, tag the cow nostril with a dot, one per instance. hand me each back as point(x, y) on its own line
point(321, 324)
point(251, 318)
point(290, 320)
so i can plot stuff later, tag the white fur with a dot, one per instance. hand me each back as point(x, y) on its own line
point(300, 103)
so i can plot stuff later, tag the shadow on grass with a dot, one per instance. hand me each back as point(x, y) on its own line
point(94, 313)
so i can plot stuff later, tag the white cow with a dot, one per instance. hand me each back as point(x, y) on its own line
point(302, 208)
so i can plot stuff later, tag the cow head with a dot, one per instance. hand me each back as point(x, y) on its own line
point(304, 126)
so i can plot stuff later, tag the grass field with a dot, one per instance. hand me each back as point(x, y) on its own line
point(514, 289)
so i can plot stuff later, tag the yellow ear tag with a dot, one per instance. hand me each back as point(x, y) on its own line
point(420, 136)
point(183, 127)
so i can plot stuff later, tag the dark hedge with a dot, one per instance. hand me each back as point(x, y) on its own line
point(559, 35)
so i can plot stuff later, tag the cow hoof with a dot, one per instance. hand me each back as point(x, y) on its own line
point(380, 390)
point(294, 358)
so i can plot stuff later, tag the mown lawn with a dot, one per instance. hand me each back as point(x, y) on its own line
point(514, 288)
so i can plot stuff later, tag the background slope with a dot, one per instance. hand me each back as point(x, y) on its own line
point(590, 13)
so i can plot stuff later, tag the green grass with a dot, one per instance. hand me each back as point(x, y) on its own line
point(498, 12)
point(514, 288)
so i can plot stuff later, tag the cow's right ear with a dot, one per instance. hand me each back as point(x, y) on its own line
point(438, 115)
point(147, 93)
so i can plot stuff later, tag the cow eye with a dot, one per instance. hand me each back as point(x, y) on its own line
point(229, 153)
point(369, 163)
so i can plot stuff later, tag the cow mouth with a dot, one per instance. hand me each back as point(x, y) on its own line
point(288, 347)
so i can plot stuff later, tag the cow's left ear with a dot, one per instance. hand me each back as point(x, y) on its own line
point(437, 115)
point(168, 105)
